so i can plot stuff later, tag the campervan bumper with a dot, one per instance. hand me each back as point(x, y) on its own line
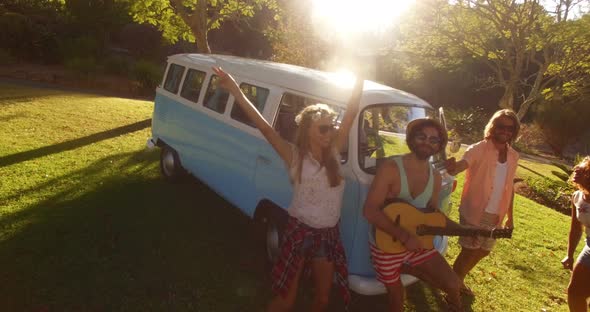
point(151, 143)
point(370, 286)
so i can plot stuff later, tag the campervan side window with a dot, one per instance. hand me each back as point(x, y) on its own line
point(291, 105)
point(215, 97)
point(256, 95)
point(193, 82)
point(173, 78)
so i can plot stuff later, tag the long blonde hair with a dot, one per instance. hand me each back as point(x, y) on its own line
point(497, 115)
point(585, 164)
point(304, 120)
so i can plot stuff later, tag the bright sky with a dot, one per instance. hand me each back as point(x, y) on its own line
point(348, 17)
point(353, 16)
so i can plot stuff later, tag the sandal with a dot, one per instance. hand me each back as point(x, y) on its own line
point(466, 291)
point(452, 307)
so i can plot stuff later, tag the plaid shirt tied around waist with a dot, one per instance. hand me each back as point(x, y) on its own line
point(292, 252)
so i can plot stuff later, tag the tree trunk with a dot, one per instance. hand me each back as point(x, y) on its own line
point(200, 27)
point(197, 22)
point(507, 100)
point(202, 41)
point(524, 107)
point(536, 90)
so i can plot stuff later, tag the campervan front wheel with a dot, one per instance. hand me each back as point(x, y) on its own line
point(170, 164)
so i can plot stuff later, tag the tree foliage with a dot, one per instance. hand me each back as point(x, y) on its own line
point(191, 20)
point(522, 45)
point(294, 40)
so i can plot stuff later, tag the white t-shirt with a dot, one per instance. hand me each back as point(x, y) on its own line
point(497, 188)
point(582, 210)
point(314, 202)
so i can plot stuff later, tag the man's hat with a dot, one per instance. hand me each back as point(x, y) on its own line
point(419, 123)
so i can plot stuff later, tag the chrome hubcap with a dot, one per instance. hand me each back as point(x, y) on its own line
point(168, 164)
point(272, 241)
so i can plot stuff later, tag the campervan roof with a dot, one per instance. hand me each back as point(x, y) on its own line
point(317, 83)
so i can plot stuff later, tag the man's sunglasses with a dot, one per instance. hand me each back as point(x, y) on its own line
point(433, 140)
point(326, 128)
point(508, 128)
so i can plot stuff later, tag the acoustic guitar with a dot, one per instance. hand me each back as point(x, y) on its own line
point(425, 226)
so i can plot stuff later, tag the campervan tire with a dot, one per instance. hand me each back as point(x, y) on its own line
point(170, 166)
point(272, 240)
point(271, 220)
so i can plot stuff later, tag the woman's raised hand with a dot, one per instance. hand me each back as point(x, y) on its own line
point(226, 81)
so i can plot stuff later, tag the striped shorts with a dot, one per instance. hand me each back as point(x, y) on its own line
point(388, 266)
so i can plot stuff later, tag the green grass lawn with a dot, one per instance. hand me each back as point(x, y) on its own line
point(87, 224)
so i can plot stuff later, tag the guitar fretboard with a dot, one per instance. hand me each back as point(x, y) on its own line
point(433, 230)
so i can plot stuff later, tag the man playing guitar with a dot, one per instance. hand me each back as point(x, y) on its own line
point(410, 178)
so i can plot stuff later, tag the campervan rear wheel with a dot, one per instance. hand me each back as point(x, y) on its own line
point(270, 221)
point(170, 164)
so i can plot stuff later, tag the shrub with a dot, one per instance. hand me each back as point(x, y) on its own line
point(148, 74)
point(29, 37)
point(562, 122)
point(551, 193)
point(117, 65)
point(467, 124)
point(78, 48)
point(15, 33)
point(6, 58)
point(142, 41)
point(529, 141)
point(85, 66)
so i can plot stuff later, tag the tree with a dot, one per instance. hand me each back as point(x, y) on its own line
point(295, 41)
point(518, 41)
point(563, 112)
point(191, 20)
point(563, 8)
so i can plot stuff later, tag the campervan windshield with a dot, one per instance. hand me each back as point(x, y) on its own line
point(382, 132)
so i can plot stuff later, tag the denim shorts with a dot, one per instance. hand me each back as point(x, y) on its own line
point(584, 257)
point(320, 253)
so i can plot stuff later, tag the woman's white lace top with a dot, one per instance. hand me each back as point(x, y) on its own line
point(582, 210)
point(314, 202)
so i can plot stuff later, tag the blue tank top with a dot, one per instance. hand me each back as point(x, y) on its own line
point(421, 201)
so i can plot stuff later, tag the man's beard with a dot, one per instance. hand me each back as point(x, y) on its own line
point(422, 152)
point(498, 138)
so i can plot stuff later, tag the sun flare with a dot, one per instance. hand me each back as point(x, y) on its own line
point(346, 17)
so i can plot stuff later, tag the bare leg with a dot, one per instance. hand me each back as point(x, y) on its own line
point(578, 290)
point(442, 275)
point(395, 294)
point(280, 303)
point(467, 260)
point(323, 273)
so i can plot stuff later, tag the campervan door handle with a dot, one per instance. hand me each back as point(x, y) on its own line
point(263, 160)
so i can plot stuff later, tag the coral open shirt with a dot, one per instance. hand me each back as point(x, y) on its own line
point(482, 158)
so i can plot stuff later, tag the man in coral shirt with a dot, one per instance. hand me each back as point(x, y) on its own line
point(488, 191)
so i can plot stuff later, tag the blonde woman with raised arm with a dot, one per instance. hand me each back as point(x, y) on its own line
point(311, 236)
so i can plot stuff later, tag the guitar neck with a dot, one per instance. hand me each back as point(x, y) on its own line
point(434, 230)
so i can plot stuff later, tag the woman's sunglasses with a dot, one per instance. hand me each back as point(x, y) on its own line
point(326, 128)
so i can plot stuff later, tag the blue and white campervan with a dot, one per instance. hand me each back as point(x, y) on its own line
point(200, 130)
